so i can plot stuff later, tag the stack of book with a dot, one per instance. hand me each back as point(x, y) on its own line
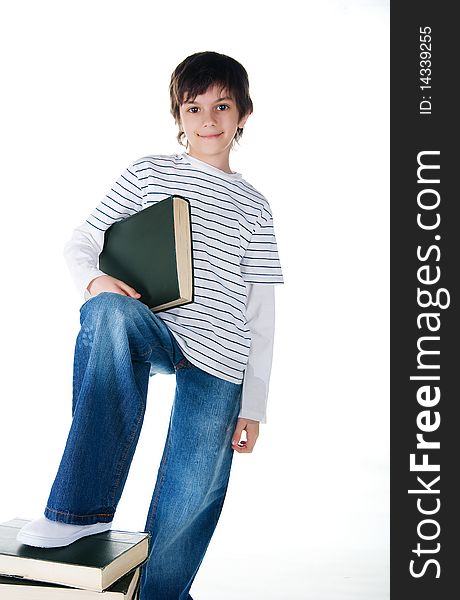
point(103, 566)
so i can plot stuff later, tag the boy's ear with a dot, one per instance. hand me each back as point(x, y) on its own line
point(243, 120)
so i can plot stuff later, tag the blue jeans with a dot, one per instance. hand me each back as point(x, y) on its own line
point(120, 344)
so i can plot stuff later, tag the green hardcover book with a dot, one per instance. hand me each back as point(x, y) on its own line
point(93, 563)
point(151, 251)
point(15, 588)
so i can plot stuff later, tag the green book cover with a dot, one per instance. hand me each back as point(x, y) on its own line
point(151, 251)
point(92, 563)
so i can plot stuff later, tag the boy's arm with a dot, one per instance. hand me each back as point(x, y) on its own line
point(81, 253)
point(260, 316)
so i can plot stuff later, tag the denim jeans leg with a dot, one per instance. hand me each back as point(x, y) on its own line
point(120, 340)
point(191, 483)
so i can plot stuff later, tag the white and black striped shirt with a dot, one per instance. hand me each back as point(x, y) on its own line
point(233, 241)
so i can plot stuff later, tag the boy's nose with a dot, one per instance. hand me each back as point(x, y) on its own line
point(208, 119)
point(208, 123)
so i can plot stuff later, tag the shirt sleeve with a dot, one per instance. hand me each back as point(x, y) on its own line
point(261, 263)
point(260, 316)
point(82, 250)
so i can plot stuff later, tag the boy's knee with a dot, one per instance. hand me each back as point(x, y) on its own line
point(110, 303)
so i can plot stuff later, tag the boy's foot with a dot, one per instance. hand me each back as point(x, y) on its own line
point(45, 533)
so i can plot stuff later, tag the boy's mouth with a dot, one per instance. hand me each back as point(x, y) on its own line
point(215, 135)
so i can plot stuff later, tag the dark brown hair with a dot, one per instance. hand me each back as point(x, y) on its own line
point(199, 71)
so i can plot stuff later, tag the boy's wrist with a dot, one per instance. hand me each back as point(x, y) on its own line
point(90, 284)
point(88, 287)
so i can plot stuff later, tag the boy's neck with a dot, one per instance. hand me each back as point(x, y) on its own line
point(220, 161)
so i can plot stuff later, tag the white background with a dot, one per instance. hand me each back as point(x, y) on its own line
point(85, 92)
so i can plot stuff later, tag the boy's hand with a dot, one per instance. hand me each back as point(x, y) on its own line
point(252, 433)
point(107, 283)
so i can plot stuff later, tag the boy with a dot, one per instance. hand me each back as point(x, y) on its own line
point(219, 346)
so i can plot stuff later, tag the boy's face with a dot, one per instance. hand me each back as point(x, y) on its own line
point(210, 124)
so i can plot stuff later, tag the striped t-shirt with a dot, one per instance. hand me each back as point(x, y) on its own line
point(233, 244)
